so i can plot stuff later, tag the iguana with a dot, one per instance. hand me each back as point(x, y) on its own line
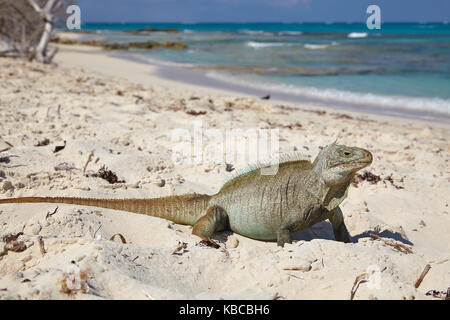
point(262, 207)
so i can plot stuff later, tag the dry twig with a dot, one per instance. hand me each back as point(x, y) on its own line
point(399, 246)
point(276, 296)
point(94, 234)
point(422, 275)
point(122, 238)
point(359, 279)
point(50, 214)
point(88, 160)
point(41, 245)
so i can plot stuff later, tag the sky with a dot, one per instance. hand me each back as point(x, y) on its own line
point(191, 11)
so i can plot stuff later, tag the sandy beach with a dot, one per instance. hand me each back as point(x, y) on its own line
point(120, 114)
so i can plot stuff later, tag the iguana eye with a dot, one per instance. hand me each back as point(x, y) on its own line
point(347, 153)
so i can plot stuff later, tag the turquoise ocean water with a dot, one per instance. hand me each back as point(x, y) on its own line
point(404, 66)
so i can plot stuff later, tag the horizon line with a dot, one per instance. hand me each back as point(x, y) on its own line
point(266, 22)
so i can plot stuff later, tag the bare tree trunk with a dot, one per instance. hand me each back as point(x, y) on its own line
point(42, 54)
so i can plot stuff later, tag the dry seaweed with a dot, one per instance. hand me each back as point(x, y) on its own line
point(439, 294)
point(399, 246)
point(15, 246)
point(366, 176)
point(389, 179)
point(181, 246)
point(11, 237)
point(107, 175)
point(373, 179)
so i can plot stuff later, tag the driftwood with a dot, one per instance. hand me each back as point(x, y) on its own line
point(422, 275)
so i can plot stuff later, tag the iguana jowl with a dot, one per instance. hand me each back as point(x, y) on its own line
point(262, 207)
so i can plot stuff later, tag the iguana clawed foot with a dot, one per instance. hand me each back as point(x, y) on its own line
point(210, 243)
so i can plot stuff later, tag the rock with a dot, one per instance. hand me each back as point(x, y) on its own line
point(2, 174)
point(295, 264)
point(232, 242)
point(64, 166)
point(7, 185)
point(20, 185)
point(161, 183)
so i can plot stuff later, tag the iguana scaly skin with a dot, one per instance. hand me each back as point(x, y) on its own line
point(263, 207)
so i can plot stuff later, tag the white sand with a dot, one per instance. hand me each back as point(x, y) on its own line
point(131, 135)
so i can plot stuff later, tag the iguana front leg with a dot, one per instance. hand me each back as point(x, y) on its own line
point(293, 222)
point(215, 219)
point(283, 236)
point(339, 228)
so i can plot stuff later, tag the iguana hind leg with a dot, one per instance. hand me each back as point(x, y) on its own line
point(339, 228)
point(215, 219)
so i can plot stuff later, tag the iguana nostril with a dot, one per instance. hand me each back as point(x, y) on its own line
point(368, 155)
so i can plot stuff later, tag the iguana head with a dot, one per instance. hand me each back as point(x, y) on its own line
point(337, 163)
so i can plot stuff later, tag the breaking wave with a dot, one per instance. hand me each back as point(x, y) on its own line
point(357, 35)
point(259, 45)
point(319, 46)
point(290, 33)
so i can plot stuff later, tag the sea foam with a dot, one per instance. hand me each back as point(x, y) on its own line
point(357, 35)
point(259, 45)
point(435, 105)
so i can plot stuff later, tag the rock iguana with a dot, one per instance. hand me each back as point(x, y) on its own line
point(262, 207)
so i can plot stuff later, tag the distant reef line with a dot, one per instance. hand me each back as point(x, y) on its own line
point(147, 45)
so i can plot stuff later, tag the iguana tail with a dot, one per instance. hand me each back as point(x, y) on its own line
point(186, 209)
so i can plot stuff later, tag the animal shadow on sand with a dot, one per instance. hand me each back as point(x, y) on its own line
point(324, 230)
point(385, 234)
